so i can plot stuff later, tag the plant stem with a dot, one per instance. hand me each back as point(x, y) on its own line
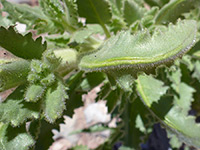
point(126, 118)
point(105, 30)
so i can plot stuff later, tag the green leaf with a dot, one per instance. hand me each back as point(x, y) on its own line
point(92, 80)
point(54, 103)
point(55, 11)
point(174, 141)
point(16, 11)
point(132, 11)
point(116, 7)
point(21, 46)
point(75, 94)
point(94, 11)
point(196, 73)
point(185, 92)
point(174, 117)
point(173, 10)
point(81, 35)
point(69, 58)
point(5, 22)
point(58, 41)
point(34, 92)
point(151, 91)
point(159, 3)
point(13, 74)
point(140, 51)
point(16, 111)
point(71, 12)
point(110, 96)
point(14, 138)
point(45, 130)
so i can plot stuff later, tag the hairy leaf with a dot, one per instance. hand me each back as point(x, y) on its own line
point(54, 104)
point(21, 46)
point(174, 117)
point(34, 92)
point(13, 73)
point(14, 138)
point(16, 111)
point(140, 51)
point(132, 11)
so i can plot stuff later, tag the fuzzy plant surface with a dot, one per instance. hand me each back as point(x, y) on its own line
point(145, 54)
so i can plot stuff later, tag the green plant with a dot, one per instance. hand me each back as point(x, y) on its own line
point(136, 60)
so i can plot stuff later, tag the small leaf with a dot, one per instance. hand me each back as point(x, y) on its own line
point(21, 46)
point(140, 51)
point(54, 104)
point(95, 11)
point(13, 74)
point(174, 141)
point(14, 138)
point(16, 111)
point(132, 11)
point(34, 93)
point(150, 88)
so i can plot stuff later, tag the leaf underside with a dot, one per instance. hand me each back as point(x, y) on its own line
point(141, 51)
